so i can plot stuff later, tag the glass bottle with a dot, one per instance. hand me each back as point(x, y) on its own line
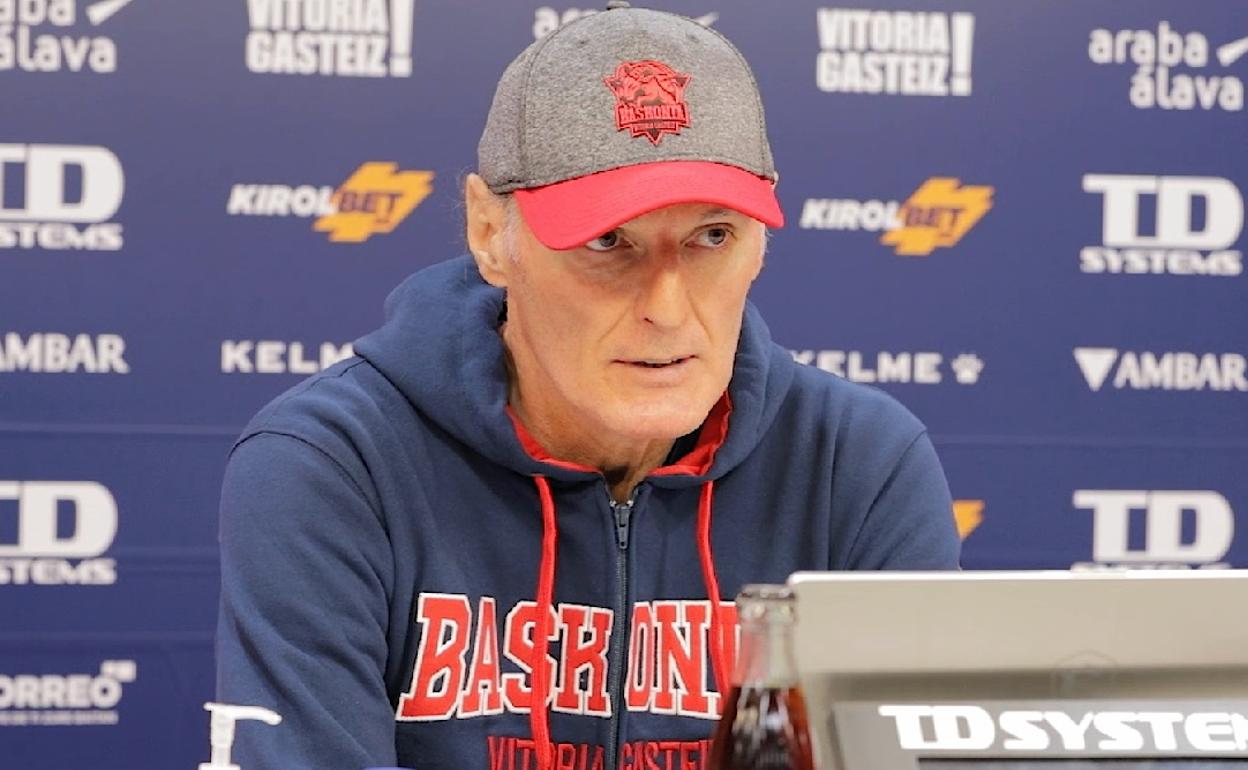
point(764, 724)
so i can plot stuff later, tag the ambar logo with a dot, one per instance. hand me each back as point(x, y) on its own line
point(1146, 370)
point(374, 200)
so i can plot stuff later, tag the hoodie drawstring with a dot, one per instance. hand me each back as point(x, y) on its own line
point(719, 664)
point(538, 720)
point(539, 724)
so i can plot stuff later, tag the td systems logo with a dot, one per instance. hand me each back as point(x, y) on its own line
point(937, 215)
point(372, 201)
point(349, 38)
point(59, 197)
point(1158, 528)
point(55, 532)
point(909, 53)
point(1175, 225)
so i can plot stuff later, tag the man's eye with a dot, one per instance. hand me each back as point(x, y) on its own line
point(604, 242)
point(714, 236)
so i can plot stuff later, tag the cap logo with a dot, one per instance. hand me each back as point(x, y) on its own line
point(649, 99)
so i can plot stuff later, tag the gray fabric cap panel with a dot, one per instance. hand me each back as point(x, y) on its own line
point(553, 116)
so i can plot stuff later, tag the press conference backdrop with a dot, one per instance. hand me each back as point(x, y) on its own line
point(1024, 220)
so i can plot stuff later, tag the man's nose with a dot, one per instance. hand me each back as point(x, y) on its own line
point(664, 298)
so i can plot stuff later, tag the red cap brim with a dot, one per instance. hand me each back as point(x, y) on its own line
point(568, 214)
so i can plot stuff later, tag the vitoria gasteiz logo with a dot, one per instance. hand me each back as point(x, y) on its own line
point(907, 53)
point(59, 196)
point(372, 201)
point(349, 38)
point(936, 215)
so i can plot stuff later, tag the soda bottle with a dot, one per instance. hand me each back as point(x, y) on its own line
point(763, 725)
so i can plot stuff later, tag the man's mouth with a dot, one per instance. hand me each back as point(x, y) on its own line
point(659, 363)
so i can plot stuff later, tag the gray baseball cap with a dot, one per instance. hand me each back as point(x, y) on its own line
point(623, 112)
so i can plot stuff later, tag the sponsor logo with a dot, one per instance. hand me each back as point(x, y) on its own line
point(921, 368)
point(276, 357)
point(547, 19)
point(1176, 245)
point(53, 353)
point(972, 728)
point(1161, 371)
point(968, 515)
point(672, 754)
point(35, 36)
point(938, 214)
point(64, 200)
point(351, 38)
point(63, 528)
point(909, 53)
point(1157, 518)
point(374, 200)
point(458, 671)
point(1172, 67)
point(28, 700)
point(649, 99)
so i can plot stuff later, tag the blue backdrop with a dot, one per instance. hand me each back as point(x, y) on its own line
point(1023, 220)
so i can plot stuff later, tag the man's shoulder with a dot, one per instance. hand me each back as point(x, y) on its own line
point(330, 408)
point(824, 400)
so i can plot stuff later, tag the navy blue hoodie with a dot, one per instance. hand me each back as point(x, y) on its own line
point(393, 543)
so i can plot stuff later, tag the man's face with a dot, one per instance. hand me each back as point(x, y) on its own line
point(633, 335)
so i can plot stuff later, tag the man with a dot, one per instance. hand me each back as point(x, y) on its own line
point(508, 533)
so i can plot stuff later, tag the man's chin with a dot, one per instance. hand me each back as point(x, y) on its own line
point(658, 424)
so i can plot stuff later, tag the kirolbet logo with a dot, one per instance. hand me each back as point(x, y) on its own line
point(936, 215)
point(374, 200)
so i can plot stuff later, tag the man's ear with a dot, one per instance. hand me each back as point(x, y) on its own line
point(487, 225)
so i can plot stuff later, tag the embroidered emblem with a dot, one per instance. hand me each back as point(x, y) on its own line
point(649, 99)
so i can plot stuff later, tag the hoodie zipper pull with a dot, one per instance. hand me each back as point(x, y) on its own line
point(622, 512)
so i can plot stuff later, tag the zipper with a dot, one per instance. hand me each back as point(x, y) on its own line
point(621, 514)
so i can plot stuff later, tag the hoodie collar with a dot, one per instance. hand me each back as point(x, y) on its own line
point(441, 348)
